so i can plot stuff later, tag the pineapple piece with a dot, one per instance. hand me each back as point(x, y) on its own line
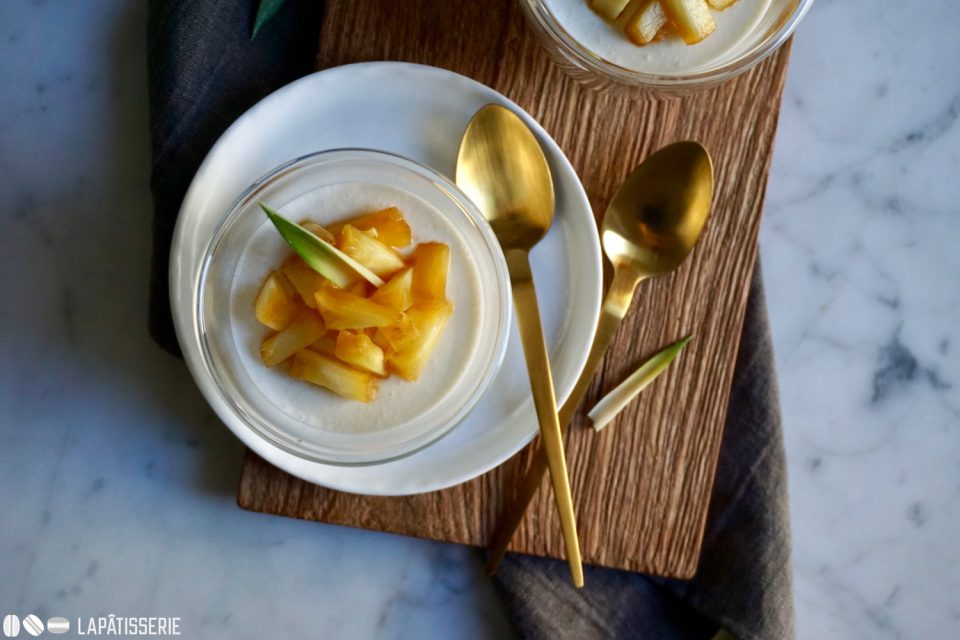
point(343, 310)
point(327, 344)
point(431, 261)
point(381, 341)
point(360, 288)
point(355, 332)
point(389, 225)
point(319, 230)
point(645, 22)
point(275, 304)
point(369, 251)
point(359, 350)
point(609, 9)
point(720, 4)
point(321, 256)
point(305, 280)
point(692, 18)
point(334, 375)
point(430, 318)
point(305, 330)
point(397, 293)
point(401, 336)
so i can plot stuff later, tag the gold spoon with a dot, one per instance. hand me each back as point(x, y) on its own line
point(650, 227)
point(502, 168)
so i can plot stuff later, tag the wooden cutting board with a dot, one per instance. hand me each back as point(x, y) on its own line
point(642, 486)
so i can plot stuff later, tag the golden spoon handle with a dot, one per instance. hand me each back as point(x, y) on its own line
point(544, 400)
point(614, 308)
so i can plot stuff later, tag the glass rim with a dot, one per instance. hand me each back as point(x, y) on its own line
point(285, 442)
point(577, 53)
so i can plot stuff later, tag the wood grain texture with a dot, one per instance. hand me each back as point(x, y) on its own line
point(642, 486)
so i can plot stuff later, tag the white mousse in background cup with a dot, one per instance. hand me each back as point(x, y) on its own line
point(311, 422)
point(597, 52)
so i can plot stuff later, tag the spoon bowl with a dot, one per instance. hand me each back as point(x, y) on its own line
point(656, 216)
point(502, 168)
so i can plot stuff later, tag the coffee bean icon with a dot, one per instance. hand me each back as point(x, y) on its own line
point(58, 625)
point(11, 626)
point(33, 625)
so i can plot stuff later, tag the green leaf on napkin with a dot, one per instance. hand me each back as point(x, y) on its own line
point(321, 256)
point(266, 10)
point(612, 403)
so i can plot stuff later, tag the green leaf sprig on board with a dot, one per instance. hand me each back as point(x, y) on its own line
point(614, 402)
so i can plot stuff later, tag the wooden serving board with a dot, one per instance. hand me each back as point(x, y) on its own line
point(642, 486)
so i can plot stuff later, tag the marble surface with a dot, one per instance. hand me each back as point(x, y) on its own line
point(117, 483)
point(860, 249)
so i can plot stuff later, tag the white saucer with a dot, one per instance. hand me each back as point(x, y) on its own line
point(419, 112)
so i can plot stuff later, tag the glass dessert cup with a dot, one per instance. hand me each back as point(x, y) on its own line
point(311, 422)
point(773, 28)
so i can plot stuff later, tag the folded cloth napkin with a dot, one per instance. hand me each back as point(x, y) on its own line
point(205, 71)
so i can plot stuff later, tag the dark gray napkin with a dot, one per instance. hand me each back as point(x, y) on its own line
point(205, 71)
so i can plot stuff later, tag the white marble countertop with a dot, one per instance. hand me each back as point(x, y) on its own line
point(117, 484)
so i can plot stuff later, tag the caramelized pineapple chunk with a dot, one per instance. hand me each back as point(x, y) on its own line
point(720, 4)
point(645, 22)
point(397, 294)
point(358, 349)
point(334, 375)
point(305, 280)
point(430, 318)
point(401, 336)
point(319, 230)
point(275, 304)
point(692, 18)
point(305, 330)
point(360, 288)
point(431, 261)
point(343, 310)
point(381, 341)
point(609, 8)
point(389, 225)
point(327, 344)
point(369, 251)
point(359, 328)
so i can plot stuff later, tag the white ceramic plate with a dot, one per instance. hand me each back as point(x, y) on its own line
point(419, 112)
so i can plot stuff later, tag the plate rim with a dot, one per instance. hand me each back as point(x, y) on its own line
point(181, 301)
